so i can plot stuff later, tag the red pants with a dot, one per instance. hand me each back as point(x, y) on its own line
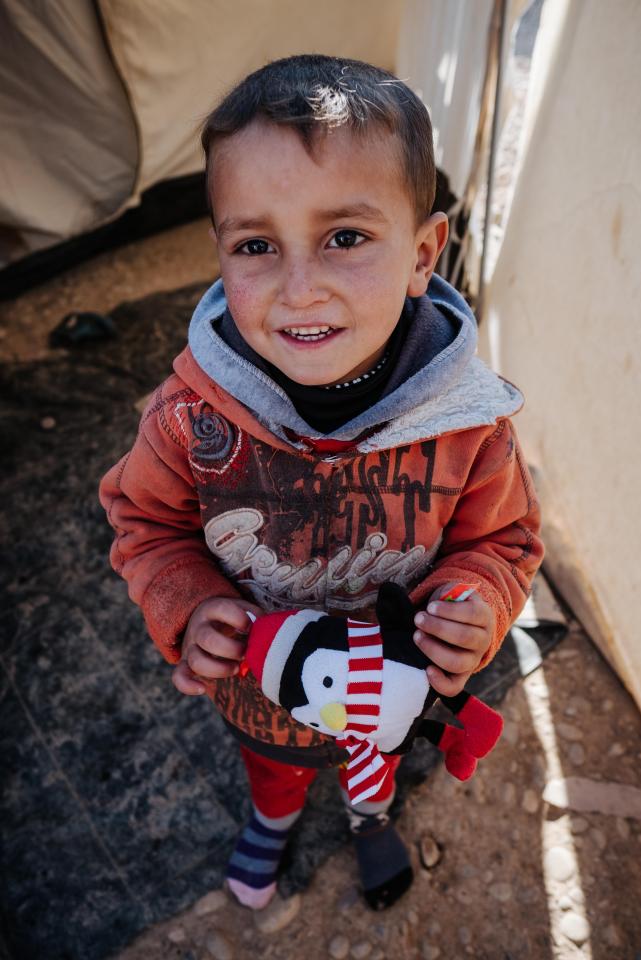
point(278, 788)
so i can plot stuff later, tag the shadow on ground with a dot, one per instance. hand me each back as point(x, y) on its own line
point(123, 798)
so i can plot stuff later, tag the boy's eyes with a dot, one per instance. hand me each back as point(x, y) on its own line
point(254, 247)
point(341, 240)
point(346, 238)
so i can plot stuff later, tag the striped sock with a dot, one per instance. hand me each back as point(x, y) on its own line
point(252, 869)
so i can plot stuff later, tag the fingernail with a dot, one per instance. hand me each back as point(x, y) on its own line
point(417, 635)
point(432, 608)
point(419, 619)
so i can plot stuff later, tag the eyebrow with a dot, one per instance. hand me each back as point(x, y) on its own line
point(235, 224)
point(354, 211)
point(358, 211)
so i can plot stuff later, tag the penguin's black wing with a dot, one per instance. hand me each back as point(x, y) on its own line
point(394, 608)
point(395, 615)
point(399, 646)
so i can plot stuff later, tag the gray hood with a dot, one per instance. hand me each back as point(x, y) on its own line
point(454, 390)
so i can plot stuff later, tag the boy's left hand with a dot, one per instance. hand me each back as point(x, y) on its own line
point(455, 636)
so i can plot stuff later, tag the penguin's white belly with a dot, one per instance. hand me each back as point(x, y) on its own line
point(404, 691)
point(326, 676)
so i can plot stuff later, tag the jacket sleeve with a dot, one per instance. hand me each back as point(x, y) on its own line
point(159, 548)
point(492, 539)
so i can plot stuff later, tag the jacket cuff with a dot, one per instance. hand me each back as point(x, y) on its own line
point(171, 598)
point(490, 593)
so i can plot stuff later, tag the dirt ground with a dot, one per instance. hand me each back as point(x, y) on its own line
point(516, 876)
point(167, 261)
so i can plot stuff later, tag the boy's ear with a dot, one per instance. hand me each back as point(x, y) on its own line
point(431, 237)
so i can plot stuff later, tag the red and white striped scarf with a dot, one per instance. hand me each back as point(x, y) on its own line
point(366, 769)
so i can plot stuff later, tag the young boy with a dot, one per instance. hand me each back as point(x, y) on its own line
point(327, 428)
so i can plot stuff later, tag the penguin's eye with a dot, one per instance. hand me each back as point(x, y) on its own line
point(327, 681)
point(312, 724)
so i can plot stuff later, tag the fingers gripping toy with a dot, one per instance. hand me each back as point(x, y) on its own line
point(366, 685)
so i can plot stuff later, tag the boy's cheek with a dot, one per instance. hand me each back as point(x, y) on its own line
point(238, 293)
point(243, 302)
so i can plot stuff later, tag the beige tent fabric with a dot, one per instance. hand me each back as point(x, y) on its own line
point(69, 145)
point(563, 305)
point(90, 117)
point(178, 58)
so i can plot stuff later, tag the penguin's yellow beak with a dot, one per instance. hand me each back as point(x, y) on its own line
point(334, 716)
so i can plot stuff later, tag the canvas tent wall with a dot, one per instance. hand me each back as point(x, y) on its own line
point(443, 51)
point(562, 303)
point(563, 308)
point(455, 54)
point(98, 101)
point(69, 144)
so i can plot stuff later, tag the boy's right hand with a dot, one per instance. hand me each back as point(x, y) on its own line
point(213, 645)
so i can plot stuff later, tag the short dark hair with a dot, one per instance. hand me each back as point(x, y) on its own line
point(312, 93)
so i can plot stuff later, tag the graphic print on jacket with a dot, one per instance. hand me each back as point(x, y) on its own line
point(297, 531)
point(294, 531)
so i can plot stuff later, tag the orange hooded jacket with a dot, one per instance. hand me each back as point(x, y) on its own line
point(217, 500)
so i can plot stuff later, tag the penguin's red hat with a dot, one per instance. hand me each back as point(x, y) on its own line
point(271, 640)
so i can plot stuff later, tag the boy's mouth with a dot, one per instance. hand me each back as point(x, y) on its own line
point(309, 334)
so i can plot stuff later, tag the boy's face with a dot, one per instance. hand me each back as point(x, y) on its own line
point(317, 253)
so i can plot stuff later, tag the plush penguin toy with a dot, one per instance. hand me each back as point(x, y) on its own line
point(366, 685)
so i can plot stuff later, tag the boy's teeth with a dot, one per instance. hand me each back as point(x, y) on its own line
point(308, 333)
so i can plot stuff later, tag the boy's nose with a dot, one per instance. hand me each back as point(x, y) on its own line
point(302, 284)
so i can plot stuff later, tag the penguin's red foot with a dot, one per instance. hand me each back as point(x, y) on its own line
point(483, 727)
point(460, 764)
point(458, 760)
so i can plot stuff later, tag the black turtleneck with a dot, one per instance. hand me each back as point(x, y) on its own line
point(420, 335)
point(328, 408)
